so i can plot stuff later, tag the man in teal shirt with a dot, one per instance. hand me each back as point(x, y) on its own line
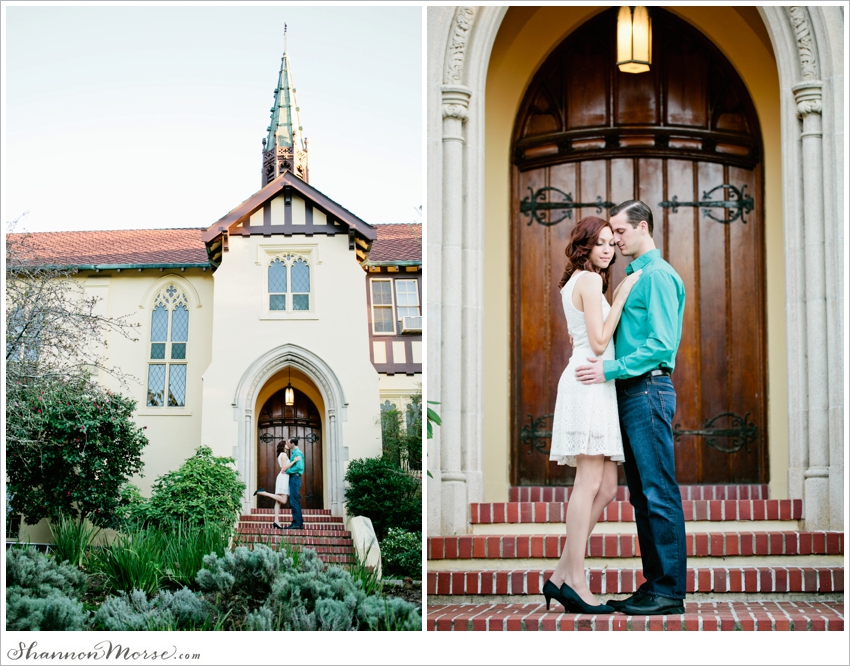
point(296, 469)
point(646, 342)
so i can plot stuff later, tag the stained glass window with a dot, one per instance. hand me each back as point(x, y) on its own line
point(289, 283)
point(277, 285)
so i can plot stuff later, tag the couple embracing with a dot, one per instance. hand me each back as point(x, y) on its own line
point(615, 405)
point(287, 487)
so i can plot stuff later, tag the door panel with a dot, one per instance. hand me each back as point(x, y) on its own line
point(278, 422)
point(680, 130)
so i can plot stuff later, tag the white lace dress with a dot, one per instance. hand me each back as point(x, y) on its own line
point(586, 419)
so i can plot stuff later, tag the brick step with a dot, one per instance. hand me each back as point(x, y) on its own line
point(305, 512)
point(287, 516)
point(321, 549)
point(713, 544)
point(716, 580)
point(262, 525)
point(619, 511)
point(332, 531)
point(696, 492)
point(304, 540)
point(698, 616)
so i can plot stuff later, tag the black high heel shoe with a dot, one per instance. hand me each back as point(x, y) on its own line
point(259, 490)
point(579, 605)
point(551, 592)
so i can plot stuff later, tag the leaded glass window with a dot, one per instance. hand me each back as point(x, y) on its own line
point(169, 339)
point(289, 283)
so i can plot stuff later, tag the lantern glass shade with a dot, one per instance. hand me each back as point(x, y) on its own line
point(289, 396)
point(634, 40)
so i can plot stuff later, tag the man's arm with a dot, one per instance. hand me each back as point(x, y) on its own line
point(662, 303)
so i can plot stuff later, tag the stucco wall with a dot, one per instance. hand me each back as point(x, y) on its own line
point(526, 37)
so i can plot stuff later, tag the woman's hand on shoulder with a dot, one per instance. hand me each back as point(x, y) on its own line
point(625, 287)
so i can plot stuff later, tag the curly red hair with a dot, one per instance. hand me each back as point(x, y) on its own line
point(582, 240)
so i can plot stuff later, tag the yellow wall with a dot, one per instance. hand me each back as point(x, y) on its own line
point(526, 37)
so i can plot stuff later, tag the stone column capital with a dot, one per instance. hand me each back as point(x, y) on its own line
point(456, 102)
point(809, 98)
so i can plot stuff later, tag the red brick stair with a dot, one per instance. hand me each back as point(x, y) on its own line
point(323, 533)
point(750, 565)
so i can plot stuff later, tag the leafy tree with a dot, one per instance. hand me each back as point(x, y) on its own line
point(70, 444)
point(88, 446)
point(401, 434)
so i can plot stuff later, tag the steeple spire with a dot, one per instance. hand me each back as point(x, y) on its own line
point(284, 148)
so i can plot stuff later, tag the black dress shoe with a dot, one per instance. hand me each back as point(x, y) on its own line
point(618, 605)
point(580, 606)
point(551, 592)
point(652, 605)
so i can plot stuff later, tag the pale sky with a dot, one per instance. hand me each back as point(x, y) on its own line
point(130, 117)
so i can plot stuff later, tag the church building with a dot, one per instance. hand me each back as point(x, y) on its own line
point(289, 316)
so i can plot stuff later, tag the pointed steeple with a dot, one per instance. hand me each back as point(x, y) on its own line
point(284, 148)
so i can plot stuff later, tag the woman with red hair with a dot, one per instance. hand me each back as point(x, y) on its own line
point(586, 425)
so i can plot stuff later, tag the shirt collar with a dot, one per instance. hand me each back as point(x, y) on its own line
point(642, 260)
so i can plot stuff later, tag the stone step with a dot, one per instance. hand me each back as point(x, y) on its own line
point(757, 579)
point(696, 492)
point(698, 616)
point(482, 513)
point(713, 544)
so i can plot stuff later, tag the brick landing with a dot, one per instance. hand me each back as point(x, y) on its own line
point(698, 616)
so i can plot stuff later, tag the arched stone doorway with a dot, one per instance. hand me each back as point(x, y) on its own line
point(311, 375)
point(587, 137)
point(279, 422)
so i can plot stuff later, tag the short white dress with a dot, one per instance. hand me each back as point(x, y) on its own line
point(586, 420)
point(281, 484)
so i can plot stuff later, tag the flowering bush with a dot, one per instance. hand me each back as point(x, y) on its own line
point(74, 452)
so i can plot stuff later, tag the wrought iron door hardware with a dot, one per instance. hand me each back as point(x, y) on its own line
point(531, 433)
point(742, 432)
point(738, 205)
point(533, 204)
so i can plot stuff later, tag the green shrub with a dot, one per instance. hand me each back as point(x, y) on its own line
point(167, 611)
point(401, 435)
point(54, 612)
point(206, 489)
point(72, 538)
point(401, 553)
point(385, 494)
point(383, 614)
point(39, 576)
point(185, 547)
point(73, 453)
point(41, 593)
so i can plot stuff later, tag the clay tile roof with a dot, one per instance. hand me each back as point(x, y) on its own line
point(397, 242)
point(124, 248)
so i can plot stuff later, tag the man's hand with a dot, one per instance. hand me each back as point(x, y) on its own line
point(591, 374)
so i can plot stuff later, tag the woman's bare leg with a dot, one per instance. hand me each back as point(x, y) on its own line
point(570, 568)
point(277, 498)
point(606, 494)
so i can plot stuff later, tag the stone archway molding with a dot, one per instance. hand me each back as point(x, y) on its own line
point(260, 371)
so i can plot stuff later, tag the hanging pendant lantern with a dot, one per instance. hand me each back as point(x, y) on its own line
point(634, 40)
point(289, 392)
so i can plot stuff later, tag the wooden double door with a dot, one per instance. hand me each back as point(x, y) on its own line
point(278, 422)
point(685, 139)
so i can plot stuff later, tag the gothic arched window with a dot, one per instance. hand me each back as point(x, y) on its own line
point(168, 340)
point(289, 276)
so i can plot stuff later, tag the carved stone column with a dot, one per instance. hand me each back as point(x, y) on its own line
point(808, 96)
point(454, 496)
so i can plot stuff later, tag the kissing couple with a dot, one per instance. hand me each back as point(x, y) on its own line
point(615, 405)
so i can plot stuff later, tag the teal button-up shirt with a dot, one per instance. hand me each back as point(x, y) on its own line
point(651, 324)
point(297, 459)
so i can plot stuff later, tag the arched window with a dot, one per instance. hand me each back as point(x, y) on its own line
point(289, 283)
point(168, 341)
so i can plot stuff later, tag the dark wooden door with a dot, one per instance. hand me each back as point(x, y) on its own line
point(278, 422)
point(587, 133)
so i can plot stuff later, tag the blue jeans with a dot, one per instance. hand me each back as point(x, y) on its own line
point(295, 500)
point(647, 406)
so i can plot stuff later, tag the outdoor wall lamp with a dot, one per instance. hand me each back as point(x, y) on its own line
point(634, 40)
point(289, 392)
